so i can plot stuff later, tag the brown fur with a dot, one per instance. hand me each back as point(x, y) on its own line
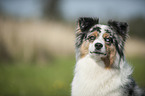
point(84, 48)
point(109, 59)
point(106, 35)
point(95, 33)
point(111, 52)
point(85, 45)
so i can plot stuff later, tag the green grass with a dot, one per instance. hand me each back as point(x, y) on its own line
point(138, 64)
point(37, 80)
point(22, 79)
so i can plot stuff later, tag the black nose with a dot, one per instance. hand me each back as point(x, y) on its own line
point(98, 46)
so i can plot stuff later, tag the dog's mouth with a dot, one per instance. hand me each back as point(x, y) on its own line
point(97, 52)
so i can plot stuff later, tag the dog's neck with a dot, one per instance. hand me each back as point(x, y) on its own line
point(117, 63)
point(94, 73)
point(91, 74)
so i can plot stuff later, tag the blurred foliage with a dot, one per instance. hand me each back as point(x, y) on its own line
point(4, 54)
point(51, 10)
point(136, 26)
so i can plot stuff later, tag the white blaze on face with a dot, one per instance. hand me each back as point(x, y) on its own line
point(99, 39)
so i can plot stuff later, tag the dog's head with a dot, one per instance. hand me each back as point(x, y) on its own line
point(101, 41)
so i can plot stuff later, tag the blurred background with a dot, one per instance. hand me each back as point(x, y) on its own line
point(37, 53)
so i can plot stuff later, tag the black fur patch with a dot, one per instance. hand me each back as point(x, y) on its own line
point(107, 31)
point(121, 32)
point(85, 23)
point(119, 48)
point(96, 28)
point(79, 38)
point(131, 89)
point(121, 28)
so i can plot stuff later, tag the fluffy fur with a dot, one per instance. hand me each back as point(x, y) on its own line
point(101, 68)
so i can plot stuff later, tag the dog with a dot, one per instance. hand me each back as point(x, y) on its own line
point(101, 68)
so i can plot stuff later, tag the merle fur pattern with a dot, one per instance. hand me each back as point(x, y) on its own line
point(119, 35)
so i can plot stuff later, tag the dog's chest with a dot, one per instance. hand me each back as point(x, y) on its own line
point(92, 79)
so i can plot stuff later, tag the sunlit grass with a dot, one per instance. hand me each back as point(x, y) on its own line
point(49, 80)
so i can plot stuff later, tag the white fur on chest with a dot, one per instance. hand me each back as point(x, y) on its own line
point(92, 79)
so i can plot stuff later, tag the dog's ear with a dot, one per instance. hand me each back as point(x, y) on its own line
point(120, 28)
point(84, 23)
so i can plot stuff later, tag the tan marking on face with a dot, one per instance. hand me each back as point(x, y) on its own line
point(106, 35)
point(95, 33)
point(84, 48)
point(109, 59)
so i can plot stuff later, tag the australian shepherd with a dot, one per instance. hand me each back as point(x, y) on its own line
point(101, 68)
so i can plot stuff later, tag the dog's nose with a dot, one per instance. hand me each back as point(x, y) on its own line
point(98, 46)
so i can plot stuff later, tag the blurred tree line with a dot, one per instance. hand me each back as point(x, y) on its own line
point(51, 10)
point(137, 27)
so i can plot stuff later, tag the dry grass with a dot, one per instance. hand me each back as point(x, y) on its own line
point(42, 40)
point(135, 47)
point(26, 39)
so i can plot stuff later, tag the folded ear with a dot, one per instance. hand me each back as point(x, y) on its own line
point(120, 28)
point(84, 23)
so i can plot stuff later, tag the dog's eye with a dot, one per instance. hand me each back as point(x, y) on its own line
point(92, 38)
point(109, 40)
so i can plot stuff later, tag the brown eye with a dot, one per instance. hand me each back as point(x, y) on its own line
point(91, 38)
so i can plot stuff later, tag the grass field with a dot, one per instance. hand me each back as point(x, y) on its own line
point(48, 80)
